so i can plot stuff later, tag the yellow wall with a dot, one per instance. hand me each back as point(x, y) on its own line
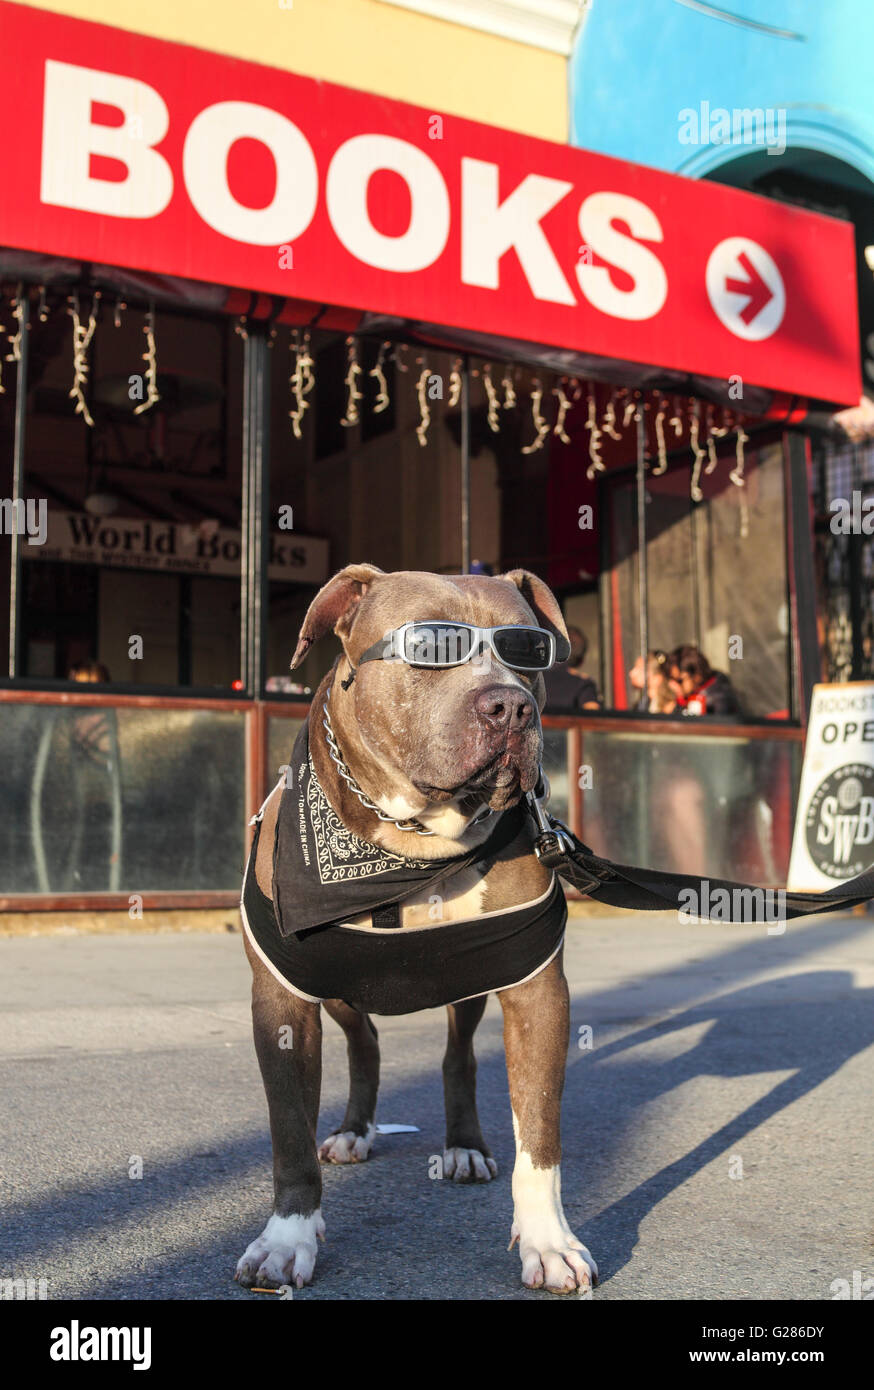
point(364, 44)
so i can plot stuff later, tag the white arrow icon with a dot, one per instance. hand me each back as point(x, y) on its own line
point(745, 288)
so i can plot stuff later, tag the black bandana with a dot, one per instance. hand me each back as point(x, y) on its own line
point(324, 873)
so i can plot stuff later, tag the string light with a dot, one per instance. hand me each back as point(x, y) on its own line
point(508, 388)
point(541, 425)
point(353, 395)
point(676, 419)
point(699, 454)
point(609, 421)
point(150, 357)
point(301, 381)
point(398, 357)
point(14, 354)
point(378, 373)
point(596, 464)
point(454, 384)
point(737, 473)
point(42, 312)
point(116, 317)
point(711, 441)
point(422, 396)
point(661, 449)
point(14, 339)
point(81, 342)
point(492, 418)
point(563, 408)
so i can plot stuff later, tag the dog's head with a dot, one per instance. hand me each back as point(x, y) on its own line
point(470, 731)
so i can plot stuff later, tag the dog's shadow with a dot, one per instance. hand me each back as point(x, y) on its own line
point(747, 1034)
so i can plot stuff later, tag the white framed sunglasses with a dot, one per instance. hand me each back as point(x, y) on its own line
point(441, 644)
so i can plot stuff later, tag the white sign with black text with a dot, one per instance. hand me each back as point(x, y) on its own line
point(834, 822)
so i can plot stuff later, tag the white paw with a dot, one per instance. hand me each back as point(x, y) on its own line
point(468, 1165)
point(561, 1264)
point(347, 1147)
point(552, 1257)
point(284, 1253)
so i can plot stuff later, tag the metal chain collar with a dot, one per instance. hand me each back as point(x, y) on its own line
point(411, 825)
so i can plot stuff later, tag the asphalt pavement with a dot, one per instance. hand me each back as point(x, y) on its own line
point(718, 1134)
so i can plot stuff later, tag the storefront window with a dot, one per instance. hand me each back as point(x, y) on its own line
point(716, 576)
point(140, 570)
point(844, 562)
point(139, 460)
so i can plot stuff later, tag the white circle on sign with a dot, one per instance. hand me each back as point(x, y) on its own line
point(745, 288)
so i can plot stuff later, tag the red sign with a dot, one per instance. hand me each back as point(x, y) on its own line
point(159, 157)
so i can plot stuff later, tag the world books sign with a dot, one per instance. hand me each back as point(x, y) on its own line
point(834, 823)
point(174, 547)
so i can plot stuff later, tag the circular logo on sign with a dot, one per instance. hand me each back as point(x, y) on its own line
point(840, 822)
point(745, 288)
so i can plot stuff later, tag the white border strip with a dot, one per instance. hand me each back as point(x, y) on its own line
point(449, 921)
point(311, 999)
point(546, 24)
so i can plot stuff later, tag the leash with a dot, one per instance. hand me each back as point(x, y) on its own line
point(650, 890)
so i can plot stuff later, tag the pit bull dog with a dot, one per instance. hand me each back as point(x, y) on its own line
point(403, 797)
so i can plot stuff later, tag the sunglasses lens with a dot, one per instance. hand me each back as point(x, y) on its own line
point(437, 644)
point(523, 648)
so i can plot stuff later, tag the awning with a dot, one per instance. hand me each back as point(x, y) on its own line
point(173, 162)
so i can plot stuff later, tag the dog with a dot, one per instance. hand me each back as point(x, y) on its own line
point(420, 765)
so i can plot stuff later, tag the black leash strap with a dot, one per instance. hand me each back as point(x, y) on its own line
point(649, 890)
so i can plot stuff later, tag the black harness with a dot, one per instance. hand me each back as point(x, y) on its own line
point(324, 875)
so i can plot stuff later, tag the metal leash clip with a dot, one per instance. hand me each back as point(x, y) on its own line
point(554, 841)
point(557, 847)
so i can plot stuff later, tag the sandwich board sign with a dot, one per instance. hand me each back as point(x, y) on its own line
point(834, 822)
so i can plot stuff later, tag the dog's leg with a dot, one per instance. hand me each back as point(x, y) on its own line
point(353, 1141)
point(467, 1157)
point(288, 1041)
point(536, 1042)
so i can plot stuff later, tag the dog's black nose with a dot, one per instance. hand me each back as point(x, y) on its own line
point(504, 708)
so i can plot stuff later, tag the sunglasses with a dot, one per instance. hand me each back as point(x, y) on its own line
point(441, 645)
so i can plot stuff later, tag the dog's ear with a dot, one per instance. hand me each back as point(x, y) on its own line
point(542, 600)
point(334, 607)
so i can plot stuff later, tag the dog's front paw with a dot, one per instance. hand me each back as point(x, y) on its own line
point(468, 1165)
point(346, 1146)
point(284, 1253)
point(554, 1260)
